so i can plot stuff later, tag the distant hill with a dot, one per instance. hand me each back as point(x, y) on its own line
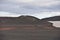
point(55, 18)
point(28, 19)
point(24, 20)
point(20, 20)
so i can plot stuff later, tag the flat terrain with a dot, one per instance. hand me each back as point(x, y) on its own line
point(29, 34)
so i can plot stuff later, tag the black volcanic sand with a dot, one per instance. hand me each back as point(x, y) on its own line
point(30, 34)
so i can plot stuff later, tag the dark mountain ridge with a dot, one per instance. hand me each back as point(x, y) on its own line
point(21, 20)
point(24, 20)
point(55, 18)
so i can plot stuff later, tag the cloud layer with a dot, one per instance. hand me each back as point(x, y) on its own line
point(36, 7)
point(35, 2)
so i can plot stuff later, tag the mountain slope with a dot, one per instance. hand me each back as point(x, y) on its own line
point(55, 18)
point(20, 20)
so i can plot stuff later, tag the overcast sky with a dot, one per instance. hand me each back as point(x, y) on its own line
point(37, 8)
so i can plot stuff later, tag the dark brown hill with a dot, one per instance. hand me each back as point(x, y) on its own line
point(28, 20)
point(20, 20)
point(24, 21)
point(55, 18)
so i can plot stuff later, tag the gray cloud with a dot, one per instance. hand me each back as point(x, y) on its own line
point(18, 8)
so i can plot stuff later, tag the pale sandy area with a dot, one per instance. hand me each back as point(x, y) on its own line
point(55, 23)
